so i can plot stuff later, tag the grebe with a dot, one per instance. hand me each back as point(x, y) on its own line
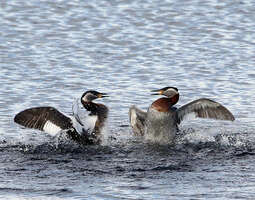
point(160, 122)
point(51, 121)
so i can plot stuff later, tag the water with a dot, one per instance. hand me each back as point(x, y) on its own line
point(51, 52)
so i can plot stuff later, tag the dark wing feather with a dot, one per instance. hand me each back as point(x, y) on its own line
point(205, 108)
point(137, 119)
point(37, 117)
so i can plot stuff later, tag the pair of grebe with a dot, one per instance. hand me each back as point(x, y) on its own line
point(159, 124)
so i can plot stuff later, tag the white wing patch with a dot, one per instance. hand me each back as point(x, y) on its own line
point(90, 122)
point(190, 116)
point(51, 128)
point(133, 117)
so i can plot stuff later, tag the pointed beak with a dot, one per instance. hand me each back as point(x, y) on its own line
point(102, 95)
point(158, 92)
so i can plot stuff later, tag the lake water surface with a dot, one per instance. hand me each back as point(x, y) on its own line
point(53, 51)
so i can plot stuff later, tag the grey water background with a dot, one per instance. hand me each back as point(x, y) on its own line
point(52, 51)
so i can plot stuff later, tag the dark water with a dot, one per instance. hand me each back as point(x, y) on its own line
point(52, 51)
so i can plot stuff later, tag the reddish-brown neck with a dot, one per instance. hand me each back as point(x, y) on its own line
point(164, 104)
point(174, 99)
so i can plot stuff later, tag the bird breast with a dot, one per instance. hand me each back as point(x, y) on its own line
point(160, 127)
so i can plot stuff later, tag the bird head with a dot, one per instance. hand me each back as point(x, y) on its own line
point(166, 91)
point(91, 95)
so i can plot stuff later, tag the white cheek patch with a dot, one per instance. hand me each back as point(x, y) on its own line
point(51, 128)
point(85, 98)
point(172, 90)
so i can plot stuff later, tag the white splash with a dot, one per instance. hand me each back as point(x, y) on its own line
point(105, 134)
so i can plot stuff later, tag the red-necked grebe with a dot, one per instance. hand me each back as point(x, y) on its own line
point(51, 121)
point(160, 123)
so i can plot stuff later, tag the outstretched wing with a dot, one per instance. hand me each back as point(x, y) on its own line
point(47, 119)
point(137, 119)
point(205, 108)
